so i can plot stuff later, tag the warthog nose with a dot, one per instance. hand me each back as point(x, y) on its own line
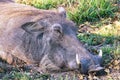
point(95, 68)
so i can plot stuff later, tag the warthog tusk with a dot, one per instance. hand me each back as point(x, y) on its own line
point(77, 59)
point(100, 53)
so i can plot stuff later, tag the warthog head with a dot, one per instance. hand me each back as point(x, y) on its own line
point(60, 47)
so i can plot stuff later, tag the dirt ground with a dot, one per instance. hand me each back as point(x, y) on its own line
point(110, 73)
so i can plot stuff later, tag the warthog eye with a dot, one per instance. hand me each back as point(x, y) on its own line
point(57, 28)
point(40, 36)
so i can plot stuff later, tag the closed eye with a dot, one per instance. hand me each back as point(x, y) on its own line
point(40, 36)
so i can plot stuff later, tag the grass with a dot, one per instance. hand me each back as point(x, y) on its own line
point(16, 76)
point(22, 75)
point(93, 39)
point(92, 10)
point(78, 10)
point(108, 37)
point(106, 34)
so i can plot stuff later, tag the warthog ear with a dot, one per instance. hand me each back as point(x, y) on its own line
point(32, 27)
point(62, 12)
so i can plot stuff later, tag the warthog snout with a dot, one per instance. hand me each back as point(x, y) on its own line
point(88, 65)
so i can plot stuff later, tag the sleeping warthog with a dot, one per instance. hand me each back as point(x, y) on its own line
point(42, 38)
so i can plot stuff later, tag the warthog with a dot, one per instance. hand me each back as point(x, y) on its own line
point(44, 39)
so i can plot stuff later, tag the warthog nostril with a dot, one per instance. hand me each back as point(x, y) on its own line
point(95, 68)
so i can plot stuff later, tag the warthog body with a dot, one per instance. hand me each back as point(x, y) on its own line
point(42, 38)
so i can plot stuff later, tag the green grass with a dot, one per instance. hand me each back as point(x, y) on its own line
point(93, 39)
point(92, 10)
point(108, 37)
point(22, 75)
point(78, 10)
point(16, 75)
